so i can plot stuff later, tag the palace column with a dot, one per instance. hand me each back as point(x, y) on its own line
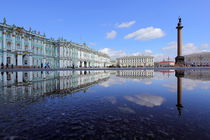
point(30, 60)
point(4, 39)
point(19, 59)
point(4, 48)
point(179, 59)
point(83, 64)
point(44, 54)
point(13, 41)
point(22, 43)
point(30, 50)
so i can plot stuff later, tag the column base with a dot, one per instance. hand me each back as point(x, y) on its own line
point(179, 61)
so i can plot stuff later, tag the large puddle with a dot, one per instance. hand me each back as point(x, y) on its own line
point(128, 104)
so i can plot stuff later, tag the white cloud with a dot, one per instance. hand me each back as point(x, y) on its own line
point(111, 35)
point(160, 57)
point(120, 53)
point(170, 46)
point(146, 34)
point(147, 52)
point(126, 24)
point(113, 53)
point(92, 43)
point(187, 48)
point(136, 54)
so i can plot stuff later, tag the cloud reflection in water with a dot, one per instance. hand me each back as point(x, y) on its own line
point(145, 100)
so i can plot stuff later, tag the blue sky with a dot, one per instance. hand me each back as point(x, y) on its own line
point(98, 22)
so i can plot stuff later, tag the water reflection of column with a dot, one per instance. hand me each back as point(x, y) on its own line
point(179, 95)
point(179, 75)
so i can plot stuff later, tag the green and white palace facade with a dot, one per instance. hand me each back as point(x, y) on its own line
point(21, 48)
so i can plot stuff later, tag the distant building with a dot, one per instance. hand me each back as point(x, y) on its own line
point(165, 64)
point(198, 59)
point(135, 61)
point(113, 63)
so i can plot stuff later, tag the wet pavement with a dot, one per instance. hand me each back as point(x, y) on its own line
point(104, 104)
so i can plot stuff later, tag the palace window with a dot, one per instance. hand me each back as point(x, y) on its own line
point(26, 47)
point(9, 45)
point(17, 37)
point(25, 62)
point(8, 36)
point(18, 46)
point(26, 75)
point(26, 39)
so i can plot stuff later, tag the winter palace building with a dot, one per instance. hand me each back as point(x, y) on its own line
point(28, 48)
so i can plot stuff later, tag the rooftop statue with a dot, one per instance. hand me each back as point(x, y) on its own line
point(180, 20)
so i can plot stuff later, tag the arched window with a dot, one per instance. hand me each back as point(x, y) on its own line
point(9, 45)
point(18, 46)
point(26, 47)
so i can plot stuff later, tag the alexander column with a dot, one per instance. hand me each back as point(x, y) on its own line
point(179, 59)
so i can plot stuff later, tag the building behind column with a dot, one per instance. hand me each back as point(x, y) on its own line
point(135, 61)
point(198, 59)
point(29, 48)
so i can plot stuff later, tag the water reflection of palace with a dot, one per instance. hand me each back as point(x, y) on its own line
point(136, 74)
point(17, 86)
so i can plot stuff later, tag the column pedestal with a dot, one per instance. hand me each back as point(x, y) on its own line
point(180, 60)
